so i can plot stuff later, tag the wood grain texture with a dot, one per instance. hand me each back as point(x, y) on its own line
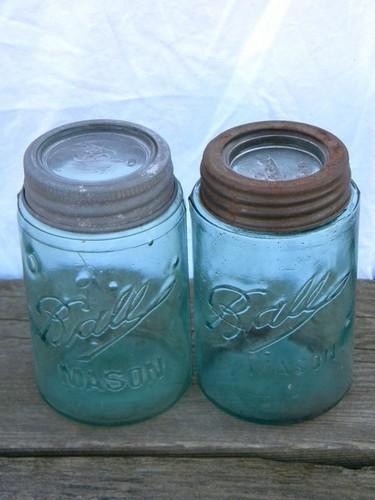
point(366, 298)
point(193, 427)
point(180, 478)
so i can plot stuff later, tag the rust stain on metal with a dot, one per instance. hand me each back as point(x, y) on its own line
point(277, 206)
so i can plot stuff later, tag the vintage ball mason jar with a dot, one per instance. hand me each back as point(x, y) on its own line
point(275, 219)
point(103, 235)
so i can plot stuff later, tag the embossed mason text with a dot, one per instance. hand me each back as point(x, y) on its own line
point(112, 380)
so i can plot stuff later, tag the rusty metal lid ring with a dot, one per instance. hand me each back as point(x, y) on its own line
point(275, 176)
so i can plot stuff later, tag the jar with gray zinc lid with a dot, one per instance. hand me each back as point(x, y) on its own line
point(103, 235)
point(275, 221)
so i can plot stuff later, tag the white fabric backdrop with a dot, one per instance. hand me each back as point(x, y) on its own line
point(188, 69)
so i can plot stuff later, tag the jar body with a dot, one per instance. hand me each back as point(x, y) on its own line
point(274, 315)
point(109, 317)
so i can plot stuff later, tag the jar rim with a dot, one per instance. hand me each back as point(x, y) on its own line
point(198, 207)
point(102, 242)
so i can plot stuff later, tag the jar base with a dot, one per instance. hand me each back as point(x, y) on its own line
point(117, 423)
point(277, 422)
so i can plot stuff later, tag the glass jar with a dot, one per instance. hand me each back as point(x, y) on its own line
point(103, 232)
point(275, 221)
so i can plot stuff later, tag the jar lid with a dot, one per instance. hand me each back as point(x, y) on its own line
point(98, 176)
point(275, 176)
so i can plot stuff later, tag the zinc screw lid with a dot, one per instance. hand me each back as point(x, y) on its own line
point(98, 176)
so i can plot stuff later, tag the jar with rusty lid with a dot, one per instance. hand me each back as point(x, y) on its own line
point(103, 237)
point(275, 222)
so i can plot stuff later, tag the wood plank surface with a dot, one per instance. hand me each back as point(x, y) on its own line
point(180, 478)
point(193, 427)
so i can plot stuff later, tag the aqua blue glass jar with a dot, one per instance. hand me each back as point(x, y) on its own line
point(275, 221)
point(103, 234)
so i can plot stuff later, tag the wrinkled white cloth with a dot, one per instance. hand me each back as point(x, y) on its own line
point(188, 69)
